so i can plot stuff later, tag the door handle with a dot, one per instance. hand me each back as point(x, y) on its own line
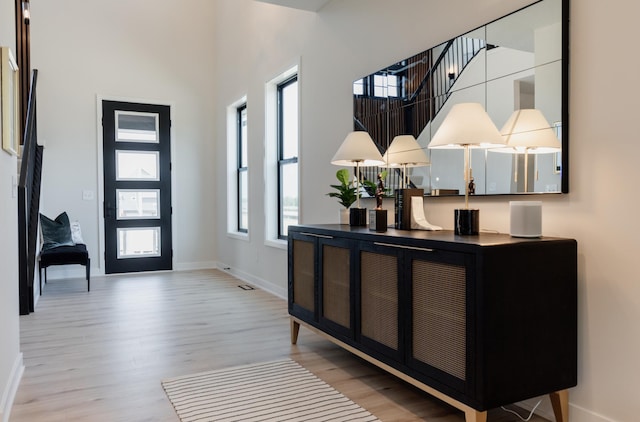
point(109, 210)
point(322, 236)
point(413, 248)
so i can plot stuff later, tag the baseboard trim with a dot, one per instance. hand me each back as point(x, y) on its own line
point(191, 266)
point(207, 265)
point(265, 285)
point(10, 390)
point(576, 413)
point(61, 272)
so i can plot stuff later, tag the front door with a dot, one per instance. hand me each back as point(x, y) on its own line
point(137, 186)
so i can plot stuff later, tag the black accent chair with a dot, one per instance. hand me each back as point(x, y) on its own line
point(64, 255)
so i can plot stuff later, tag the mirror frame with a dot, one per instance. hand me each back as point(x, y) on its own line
point(564, 19)
point(564, 94)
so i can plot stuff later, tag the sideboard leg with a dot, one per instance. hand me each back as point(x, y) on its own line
point(560, 404)
point(475, 416)
point(295, 329)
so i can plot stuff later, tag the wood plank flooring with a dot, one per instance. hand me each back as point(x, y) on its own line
point(100, 356)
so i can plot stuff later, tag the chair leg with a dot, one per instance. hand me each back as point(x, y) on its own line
point(40, 277)
point(88, 274)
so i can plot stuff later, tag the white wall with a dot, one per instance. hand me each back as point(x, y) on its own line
point(10, 357)
point(156, 51)
point(350, 38)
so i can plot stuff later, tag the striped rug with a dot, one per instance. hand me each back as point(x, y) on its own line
point(271, 391)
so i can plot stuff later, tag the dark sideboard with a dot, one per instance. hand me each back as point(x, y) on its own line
point(477, 321)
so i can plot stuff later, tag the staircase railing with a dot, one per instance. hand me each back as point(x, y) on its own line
point(411, 113)
point(29, 203)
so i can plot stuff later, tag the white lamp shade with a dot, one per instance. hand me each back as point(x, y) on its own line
point(358, 148)
point(405, 151)
point(528, 130)
point(467, 124)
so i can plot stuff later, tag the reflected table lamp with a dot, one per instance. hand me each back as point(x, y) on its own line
point(466, 126)
point(528, 132)
point(405, 152)
point(358, 150)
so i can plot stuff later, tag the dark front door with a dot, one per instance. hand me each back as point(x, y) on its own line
point(137, 186)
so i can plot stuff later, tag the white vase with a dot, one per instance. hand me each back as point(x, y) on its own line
point(344, 216)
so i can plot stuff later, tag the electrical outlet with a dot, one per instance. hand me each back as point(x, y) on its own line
point(87, 195)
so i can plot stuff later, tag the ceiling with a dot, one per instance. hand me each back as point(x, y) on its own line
point(310, 5)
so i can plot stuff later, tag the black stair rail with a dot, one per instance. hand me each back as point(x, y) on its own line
point(29, 203)
point(436, 85)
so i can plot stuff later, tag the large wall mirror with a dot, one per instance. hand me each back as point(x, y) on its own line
point(517, 62)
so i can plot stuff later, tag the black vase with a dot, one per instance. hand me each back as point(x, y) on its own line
point(467, 222)
point(357, 216)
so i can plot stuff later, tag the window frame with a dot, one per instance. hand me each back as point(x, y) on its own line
point(369, 87)
point(281, 160)
point(232, 172)
point(241, 167)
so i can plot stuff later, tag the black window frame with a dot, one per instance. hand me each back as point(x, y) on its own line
point(281, 160)
point(241, 167)
point(369, 85)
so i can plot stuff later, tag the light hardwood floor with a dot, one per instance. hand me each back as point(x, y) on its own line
point(100, 356)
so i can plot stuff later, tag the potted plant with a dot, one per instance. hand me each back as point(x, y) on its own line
point(345, 192)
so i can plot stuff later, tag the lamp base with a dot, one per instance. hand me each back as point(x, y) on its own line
point(357, 216)
point(467, 222)
point(378, 220)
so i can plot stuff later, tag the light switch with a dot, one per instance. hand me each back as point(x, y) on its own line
point(87, 195)
point(14, 186)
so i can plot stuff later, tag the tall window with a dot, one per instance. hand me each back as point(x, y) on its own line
point(243, 170)
point(237, 170)
point(288, 210)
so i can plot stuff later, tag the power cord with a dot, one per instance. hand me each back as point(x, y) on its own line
point(518, 415)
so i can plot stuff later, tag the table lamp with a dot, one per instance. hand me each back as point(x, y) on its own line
point(405, 152)
point(358, 150)
point(467, 125)
point(528, 132)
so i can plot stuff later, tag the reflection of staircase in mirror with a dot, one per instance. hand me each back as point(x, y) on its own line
point(408, 95)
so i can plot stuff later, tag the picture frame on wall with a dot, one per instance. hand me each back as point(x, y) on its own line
point(10, 102)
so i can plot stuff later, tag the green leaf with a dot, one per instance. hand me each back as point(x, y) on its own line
point(343, 176)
